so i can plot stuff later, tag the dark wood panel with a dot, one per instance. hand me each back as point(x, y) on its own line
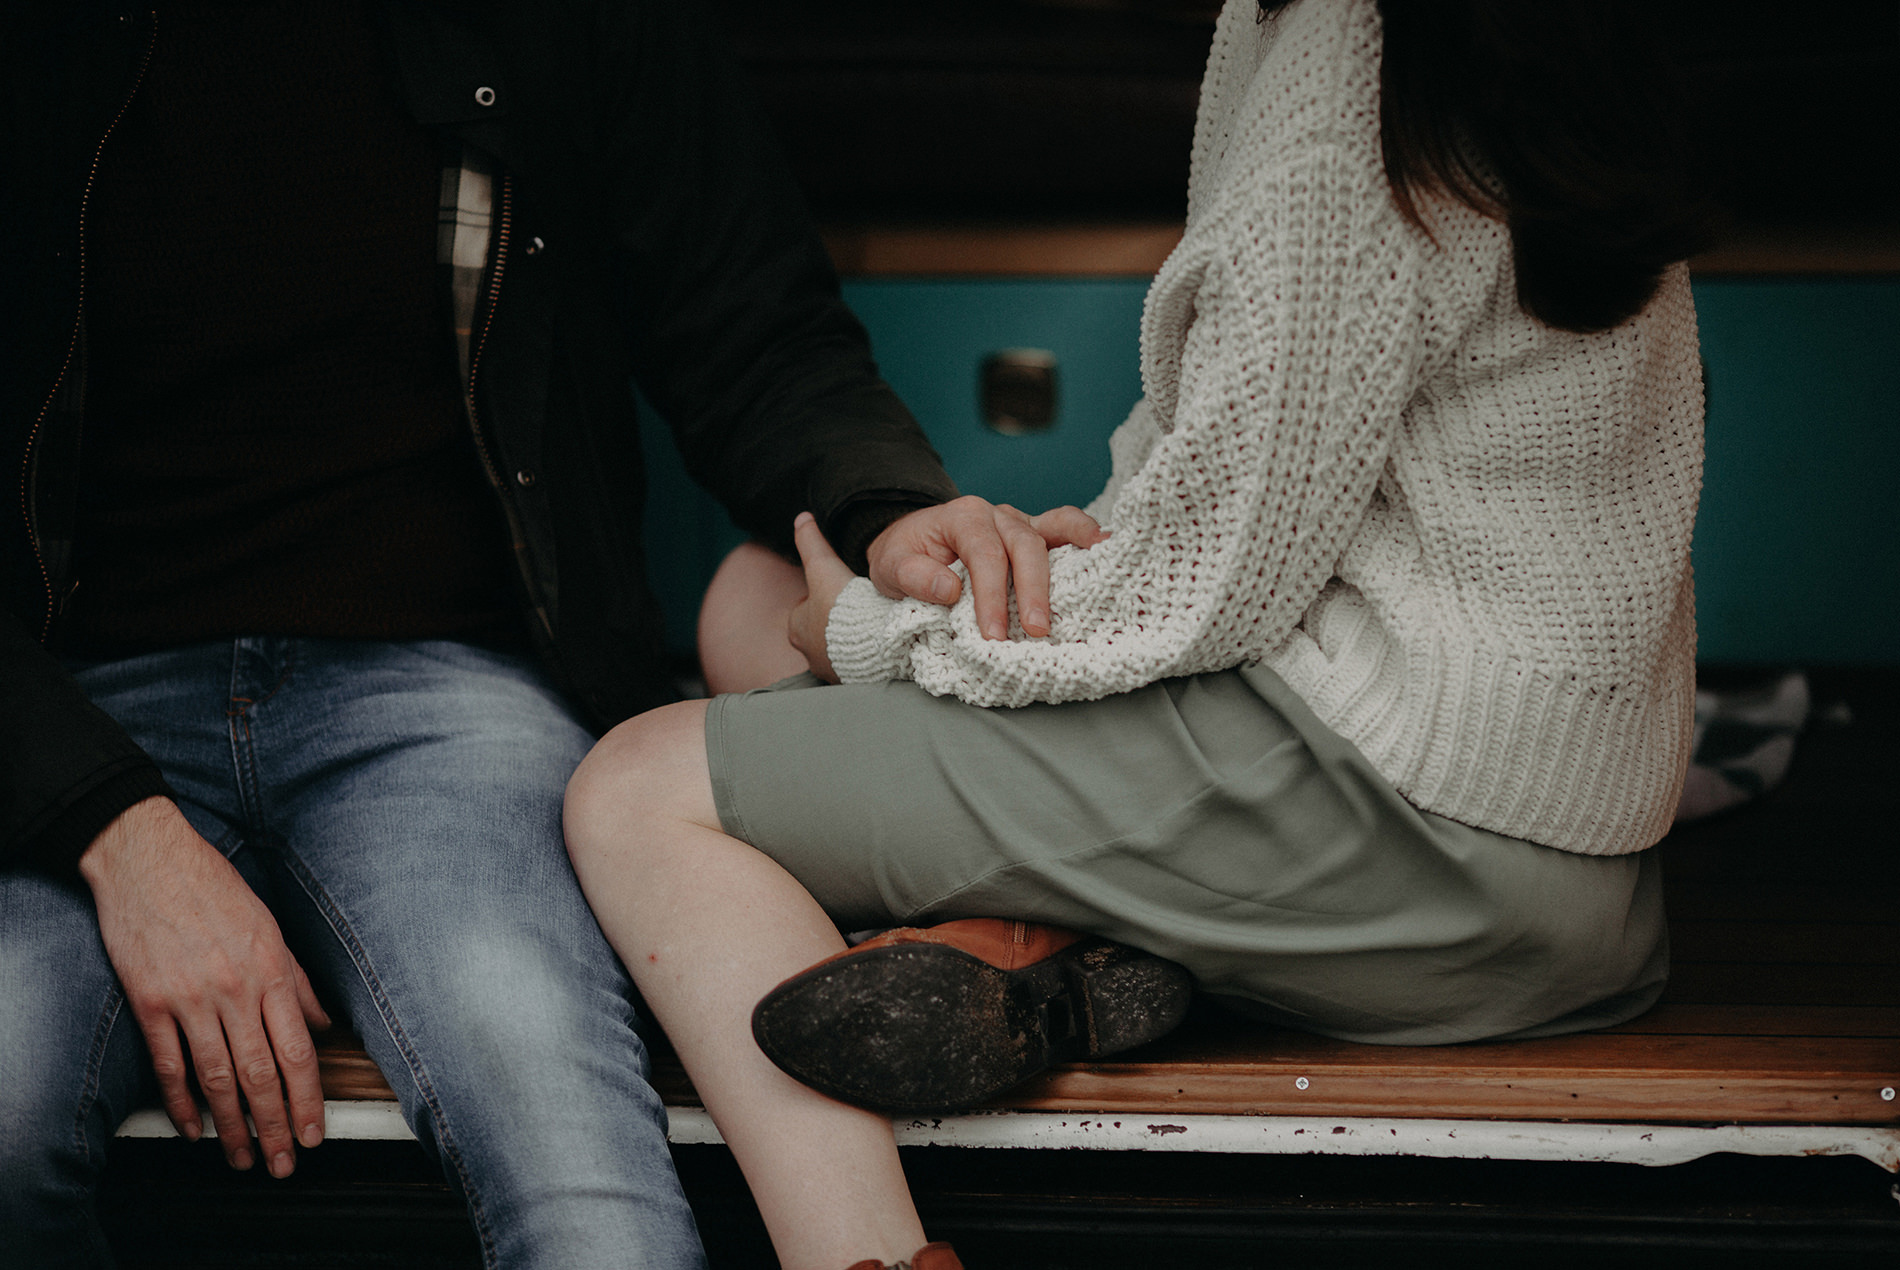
point(1779, 900)
point(1743, 983)
point(1676, 1019)
point(1788, 943)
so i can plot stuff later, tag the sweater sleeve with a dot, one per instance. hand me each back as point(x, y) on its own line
point(1295, 306)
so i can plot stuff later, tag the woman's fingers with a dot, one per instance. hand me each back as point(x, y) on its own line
point(823, 568)
point(825, 576)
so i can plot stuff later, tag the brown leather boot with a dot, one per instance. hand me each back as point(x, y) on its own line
point(937, 1256)
point(926, 1021)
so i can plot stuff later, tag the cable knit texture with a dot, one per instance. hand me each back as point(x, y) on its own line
point(1460, 535)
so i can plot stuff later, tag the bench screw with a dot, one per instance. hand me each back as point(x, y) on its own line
point(1886, 1095)
point(1301, 1083)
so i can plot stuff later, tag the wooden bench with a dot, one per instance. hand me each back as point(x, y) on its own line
point(1779, 1033)
point(1778, 1036)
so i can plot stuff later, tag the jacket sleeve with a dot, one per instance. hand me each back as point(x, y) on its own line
point(1238, 481)
point(66, 769)
point(743, 342)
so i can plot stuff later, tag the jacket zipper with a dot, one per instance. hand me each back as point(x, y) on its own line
point(28, 487)
point(517, 540)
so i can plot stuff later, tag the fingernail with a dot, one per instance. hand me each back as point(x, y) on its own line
point(240, 1159)
point(312, 1134)
point(280, 1164)
point(802, 519)
point(1036, 617)
point(943, 590)
point(193, 1133)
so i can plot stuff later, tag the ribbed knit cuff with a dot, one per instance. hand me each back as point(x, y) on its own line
point(856, 526)
point(857, 636)
point(56, 848)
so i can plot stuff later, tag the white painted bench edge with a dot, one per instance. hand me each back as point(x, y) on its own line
point(1588, 1142)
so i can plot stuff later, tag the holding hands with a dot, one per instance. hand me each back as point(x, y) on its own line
point(999, 547)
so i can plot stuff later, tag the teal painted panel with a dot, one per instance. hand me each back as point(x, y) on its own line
point(1797, 550)
point(931, 337)
point(1797, 547)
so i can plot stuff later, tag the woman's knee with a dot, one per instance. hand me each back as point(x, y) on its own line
point(650, 770)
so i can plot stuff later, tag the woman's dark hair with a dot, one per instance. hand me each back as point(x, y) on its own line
point(1558, 117)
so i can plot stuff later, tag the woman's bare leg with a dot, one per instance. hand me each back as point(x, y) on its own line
point(742, 641)
point(707, 926)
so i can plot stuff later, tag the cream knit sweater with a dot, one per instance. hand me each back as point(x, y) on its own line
point(1461, 536)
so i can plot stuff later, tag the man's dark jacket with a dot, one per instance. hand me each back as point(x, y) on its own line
point(669, 248)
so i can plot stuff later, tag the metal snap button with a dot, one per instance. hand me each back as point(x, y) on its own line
point(484, 96)
point(525, 478)
point(535, 245)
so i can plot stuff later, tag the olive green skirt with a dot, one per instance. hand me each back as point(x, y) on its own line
point(1212, 820)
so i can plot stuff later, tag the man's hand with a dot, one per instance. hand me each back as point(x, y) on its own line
point(825, 576)
point(197, 952)
point(996, 543)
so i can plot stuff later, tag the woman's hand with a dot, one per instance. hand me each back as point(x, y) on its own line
point(825, 576)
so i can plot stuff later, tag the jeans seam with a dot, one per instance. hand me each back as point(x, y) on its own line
point(95, 1062)
point(386, 1013)
point(244, 749)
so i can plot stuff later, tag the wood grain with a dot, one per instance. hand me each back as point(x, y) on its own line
point(1628, 1075)
point(1081, 249)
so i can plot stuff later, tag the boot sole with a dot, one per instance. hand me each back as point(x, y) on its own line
point(927, 1028)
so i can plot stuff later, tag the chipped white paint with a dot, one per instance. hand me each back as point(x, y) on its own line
point(1262, 1135)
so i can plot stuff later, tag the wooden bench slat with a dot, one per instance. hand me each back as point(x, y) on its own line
point(1593, 1077)
point(1503, 1093)
point(1630, 1076)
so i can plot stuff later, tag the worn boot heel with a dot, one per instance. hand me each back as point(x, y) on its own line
point(927, 1021)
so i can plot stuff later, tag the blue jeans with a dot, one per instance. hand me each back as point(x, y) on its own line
point(399, 808)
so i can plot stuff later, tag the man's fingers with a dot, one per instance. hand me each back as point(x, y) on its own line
point(218, 1081)
point(297, 1060)
point(1070, 526)
point(1029, 568)
point(928, 579)
point(307, 1003)
point(263, 1090)
point(168, 1063)
point(988, 564)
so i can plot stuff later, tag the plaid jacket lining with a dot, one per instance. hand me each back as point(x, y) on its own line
point(465, 218)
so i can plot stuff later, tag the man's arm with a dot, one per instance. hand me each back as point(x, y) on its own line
point(742, 340)
point(195, 950)
point(66, 769)
point(749, 351)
